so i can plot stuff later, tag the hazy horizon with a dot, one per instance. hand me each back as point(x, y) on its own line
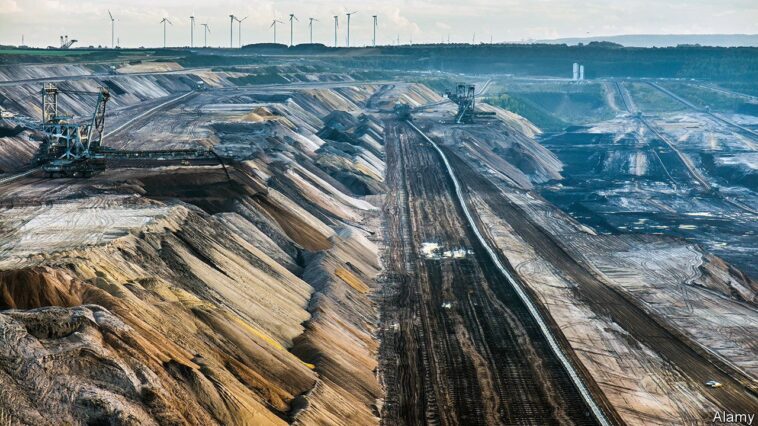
point(137, 24)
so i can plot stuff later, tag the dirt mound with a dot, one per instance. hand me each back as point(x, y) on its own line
point(37, 287)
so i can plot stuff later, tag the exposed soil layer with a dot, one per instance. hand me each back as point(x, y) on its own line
point(458, 345)
point(160, 292)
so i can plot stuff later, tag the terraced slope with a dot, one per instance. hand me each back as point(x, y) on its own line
point(202, 295)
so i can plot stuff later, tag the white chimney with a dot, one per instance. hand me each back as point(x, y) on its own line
point(576, 72)
point(581, 72)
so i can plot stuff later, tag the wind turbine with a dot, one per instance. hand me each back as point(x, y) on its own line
point(273, 24)
point(239, 30)
point(192, 31)
point(292, 17)
point(113, 30)
point(231, 30)
point(310, 26)
point(348, 26)
point(374, 16)
point(206, 30)
point(164, 30)
point(336, 25)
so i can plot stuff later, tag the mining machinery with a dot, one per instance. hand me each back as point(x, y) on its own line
point(66, 43)
point(75, 149)
point(403, 111)
point(465, 97)
point(71, 148)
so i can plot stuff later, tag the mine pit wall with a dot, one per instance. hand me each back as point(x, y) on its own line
point(15, 153)
point(254, 311)
point(638, 383)
point(197, 316)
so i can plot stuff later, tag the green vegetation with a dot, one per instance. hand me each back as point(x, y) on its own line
point(370, 75)
point(527, 109)
point(40, 52)
point(709, 63)
point(702, 97)
point(568, 102)
point(747, 88)
point(734, 65)
point(197, 60)
point(274, 78)
point(42, 56)
point(649, 99)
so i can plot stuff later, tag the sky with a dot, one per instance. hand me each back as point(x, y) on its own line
point(42, 22)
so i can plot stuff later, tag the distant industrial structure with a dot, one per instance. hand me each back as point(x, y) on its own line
point(403, 111)
point(66, 43)
point(465, 97)
point(578, 72)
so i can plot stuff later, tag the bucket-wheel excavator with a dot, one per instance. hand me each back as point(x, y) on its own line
point(71, 148)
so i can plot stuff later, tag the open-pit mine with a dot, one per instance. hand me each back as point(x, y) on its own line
point(314, 241)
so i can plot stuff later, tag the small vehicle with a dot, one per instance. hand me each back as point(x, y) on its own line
point(713, 384)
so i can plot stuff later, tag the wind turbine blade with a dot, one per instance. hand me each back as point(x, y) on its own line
point(110, 14)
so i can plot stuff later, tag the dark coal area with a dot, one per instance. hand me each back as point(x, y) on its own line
point(598, 191)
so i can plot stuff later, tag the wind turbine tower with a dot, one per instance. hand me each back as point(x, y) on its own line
point(310, 26)
point(231, 30)
point(292, 17)
point(113, 30)
point(206, 30)
point(336, 25)
point(273, 24)
point(192, 31)
point(164, 21)
point(348, 26)
point(239, 30)
point(374, 40)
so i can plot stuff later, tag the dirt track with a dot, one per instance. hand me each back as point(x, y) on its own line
point(458, 345)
